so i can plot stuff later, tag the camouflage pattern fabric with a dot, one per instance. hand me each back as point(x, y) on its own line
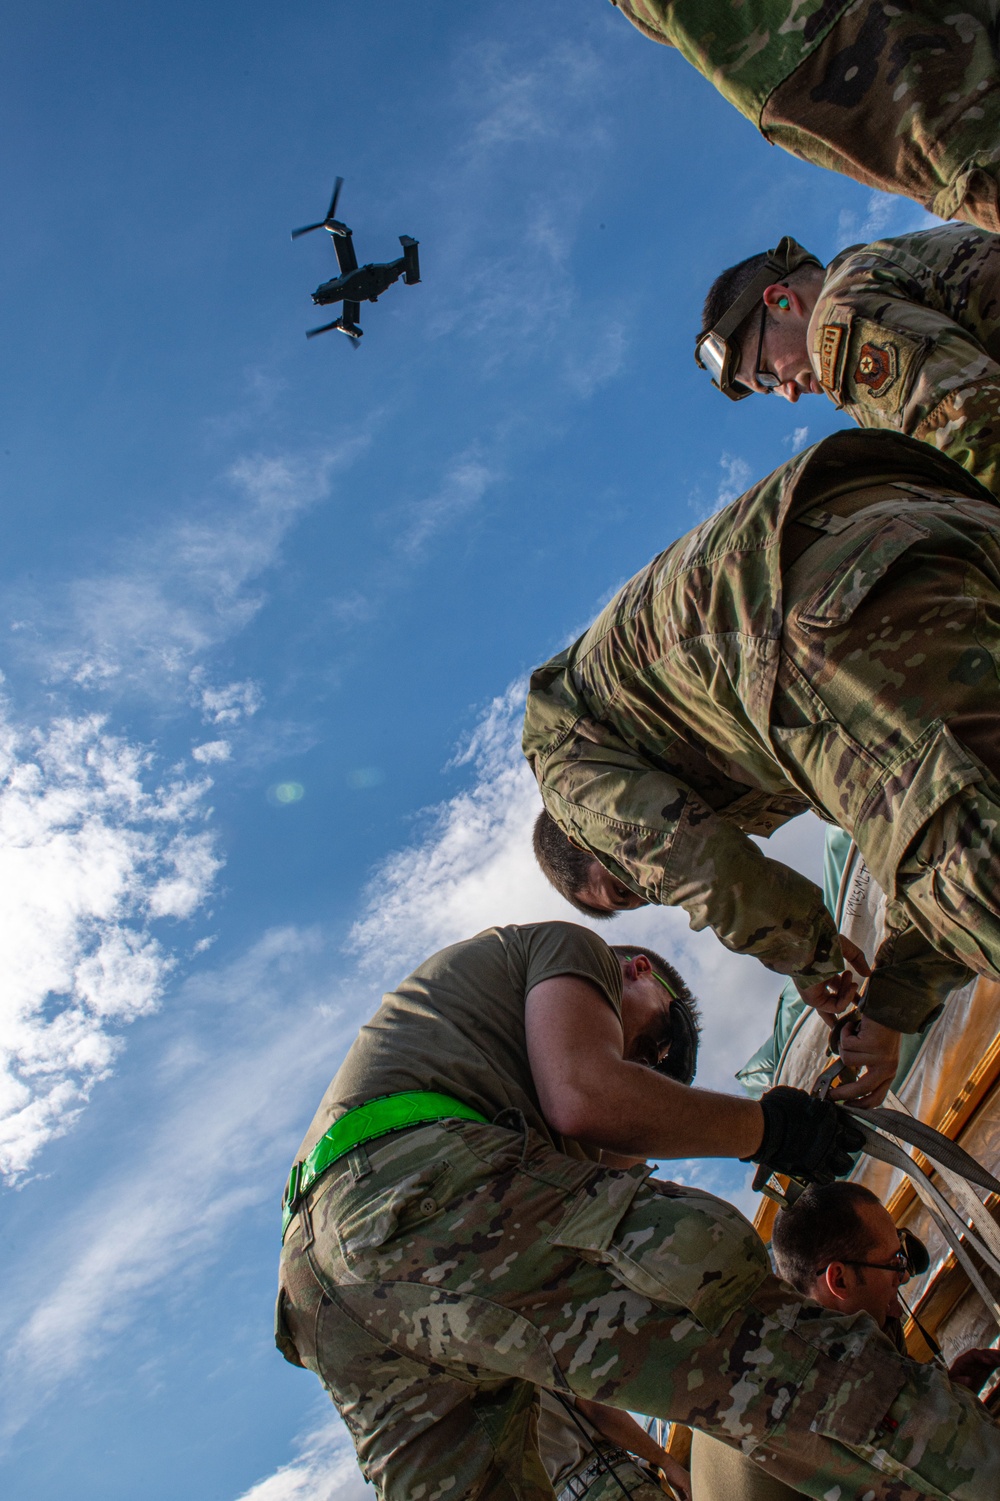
point(446, 1273)
point(722, 691)
point(906, 335)
point(904, 97)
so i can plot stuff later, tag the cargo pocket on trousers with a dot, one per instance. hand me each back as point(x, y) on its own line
point(282, 1334)
point(679, 1248)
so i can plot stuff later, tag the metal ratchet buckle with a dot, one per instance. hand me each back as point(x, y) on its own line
point(836, 1068)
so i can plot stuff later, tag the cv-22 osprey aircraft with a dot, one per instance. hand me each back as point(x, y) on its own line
point(356, 284)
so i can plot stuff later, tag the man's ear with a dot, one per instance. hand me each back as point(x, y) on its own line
point(780, 293)
point(836, 1281)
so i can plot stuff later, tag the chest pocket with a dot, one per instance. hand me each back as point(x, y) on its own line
point(855, 569)
point(678, 1247)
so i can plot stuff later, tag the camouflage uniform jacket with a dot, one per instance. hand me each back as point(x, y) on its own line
point(653, 737)
point(904, 98)
point(906, 334)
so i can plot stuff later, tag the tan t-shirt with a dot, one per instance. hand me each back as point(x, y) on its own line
point(456, 1025)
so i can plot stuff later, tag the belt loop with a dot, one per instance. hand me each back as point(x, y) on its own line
point(305, 1219)
point(357, 1163)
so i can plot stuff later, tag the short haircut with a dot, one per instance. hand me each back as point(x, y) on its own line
point(682, 1060)
point(566, 867)
point(821, 1226)
point(726, 288)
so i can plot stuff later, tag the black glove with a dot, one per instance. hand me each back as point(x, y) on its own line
point(805, 1137)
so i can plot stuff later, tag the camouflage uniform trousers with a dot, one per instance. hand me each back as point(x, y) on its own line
point(917, 662)
point(621, 1476)
point(445, 1273)
point(904, 97)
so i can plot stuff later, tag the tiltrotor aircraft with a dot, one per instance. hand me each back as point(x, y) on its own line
point(356, 284)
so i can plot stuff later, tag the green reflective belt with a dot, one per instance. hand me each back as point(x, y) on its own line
point(393, 1112)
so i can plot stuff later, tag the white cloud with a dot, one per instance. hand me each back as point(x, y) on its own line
point(212, 750)
point(885, 215)
point(244, 1104)
point(736, 478)
point(145, 623)
point(465, 482)
point(325, 1469)
point(797, 439)
point(93, 852)
point(515, 101)
point(226, 705)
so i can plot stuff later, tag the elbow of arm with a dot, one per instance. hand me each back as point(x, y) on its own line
point(574, 1112)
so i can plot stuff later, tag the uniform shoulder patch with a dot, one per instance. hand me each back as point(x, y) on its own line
point(877, 367)
point(830, 347)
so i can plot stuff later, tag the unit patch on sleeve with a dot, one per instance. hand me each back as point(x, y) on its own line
point(877, 367)
point(829, 347)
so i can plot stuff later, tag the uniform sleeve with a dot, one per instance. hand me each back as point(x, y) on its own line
point(892, 361)
point(564, 948)
point(655, 834)
point(910, 982)
point(648, 17)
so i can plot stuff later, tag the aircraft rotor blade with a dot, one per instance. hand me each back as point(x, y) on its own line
point(312, 332)
point(307, 229)
point(332, 211)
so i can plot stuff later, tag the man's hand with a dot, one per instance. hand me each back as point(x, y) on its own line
point(974, 1368)
point(805, 1137)
point(872, 1050)
point(832, 997)
point(622, 1429)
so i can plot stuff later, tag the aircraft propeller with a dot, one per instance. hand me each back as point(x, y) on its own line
point(329, 220)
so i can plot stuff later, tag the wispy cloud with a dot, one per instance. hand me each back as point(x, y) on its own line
point(146, 624)
point(736, 477)
point(885, 214)
point(797, 439)
point(324, 1469)
point(207, 1105)
point(94, 853)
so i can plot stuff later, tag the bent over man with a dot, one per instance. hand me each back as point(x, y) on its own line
point(903, 334)
point(831, 640)
point(453, 1243)
point(902, 97)
point(838, 1245)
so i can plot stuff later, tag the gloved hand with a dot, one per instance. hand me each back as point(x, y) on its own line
point(807, 1138)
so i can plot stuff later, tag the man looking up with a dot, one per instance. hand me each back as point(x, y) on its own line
point(831, 640)
point(838, 1245)
point(452, 1244)
point(903, 333)
point(902, 97)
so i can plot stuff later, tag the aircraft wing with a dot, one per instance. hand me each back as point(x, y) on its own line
point(344, 246)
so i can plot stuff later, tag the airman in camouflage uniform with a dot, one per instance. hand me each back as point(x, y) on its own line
point(901, 97)
point(437, 1277)
point(903, 334)
point(831, 640)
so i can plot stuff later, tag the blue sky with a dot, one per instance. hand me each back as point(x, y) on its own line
point(236, 562)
